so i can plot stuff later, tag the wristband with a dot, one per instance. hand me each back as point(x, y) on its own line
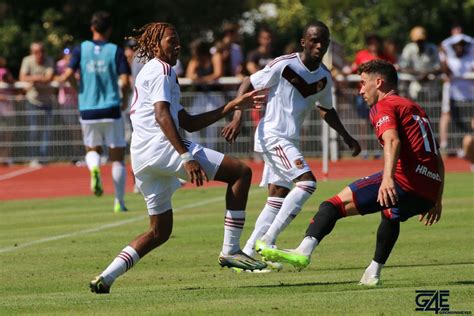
point(187, 157)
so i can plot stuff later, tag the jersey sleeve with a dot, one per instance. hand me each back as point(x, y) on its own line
point(384, 119)
point(325, 100)
point(267, 77)
point(160, 89)
point(123, 68)
point(75, 58)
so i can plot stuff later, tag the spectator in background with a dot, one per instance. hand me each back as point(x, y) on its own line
point(233, 57)
point(37, 69)
point(390, 50)
point(460, 90)
point(7, 112)
point(204, 69)
point(374, 50)
point(421, 59)
point(257, 59)
point(67, 100)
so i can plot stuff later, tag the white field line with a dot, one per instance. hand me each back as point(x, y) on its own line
point(105, 226)
point(18, 172)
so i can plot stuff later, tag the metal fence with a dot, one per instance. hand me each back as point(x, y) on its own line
point(54, 134)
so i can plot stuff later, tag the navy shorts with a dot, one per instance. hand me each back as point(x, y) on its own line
point(365, 192)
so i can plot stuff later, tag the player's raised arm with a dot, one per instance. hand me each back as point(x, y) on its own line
point(193, 123)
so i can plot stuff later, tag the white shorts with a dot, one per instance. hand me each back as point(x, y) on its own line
point(110, 134)
point(283, 163)
point(158, 180)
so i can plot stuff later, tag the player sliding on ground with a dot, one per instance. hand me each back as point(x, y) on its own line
point(160, 156)
point(297, 83)
point(411, 182)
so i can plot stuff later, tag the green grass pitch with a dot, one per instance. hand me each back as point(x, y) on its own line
point(51, 249)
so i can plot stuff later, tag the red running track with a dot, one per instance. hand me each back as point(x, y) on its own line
point(61, 180)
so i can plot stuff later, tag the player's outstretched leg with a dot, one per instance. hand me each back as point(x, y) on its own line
point(264, 221)
point(321, 225)
point(387, 235)
point(291, 207)
point(160, 230)
point(238, 177)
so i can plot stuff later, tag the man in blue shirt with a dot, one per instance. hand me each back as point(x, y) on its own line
point(102, 66)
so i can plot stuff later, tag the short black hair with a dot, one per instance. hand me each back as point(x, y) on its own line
point(101, 21)
point(316, 23)
point(381, 67)
point(373, 37)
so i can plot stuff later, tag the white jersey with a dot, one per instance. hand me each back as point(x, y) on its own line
point(155, 82)
point(294, 91)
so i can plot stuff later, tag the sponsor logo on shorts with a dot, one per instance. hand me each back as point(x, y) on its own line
point(423, 170)
point(381, 121)
point(299, 163)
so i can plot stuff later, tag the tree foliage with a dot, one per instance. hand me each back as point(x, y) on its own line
point(61, 23)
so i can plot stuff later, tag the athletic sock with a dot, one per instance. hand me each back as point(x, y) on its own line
point(121, 264)
point(307, 246)
point(264, 221)
point(374, 269)
point(291, 207)
point(118, 175)
point(233, 226)
point(387, 235)
point(324, 220)
point(92, 160)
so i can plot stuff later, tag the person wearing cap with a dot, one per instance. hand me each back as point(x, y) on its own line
point(458, 92)
point(421, 59)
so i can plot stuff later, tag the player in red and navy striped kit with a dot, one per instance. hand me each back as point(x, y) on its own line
point(411, 182)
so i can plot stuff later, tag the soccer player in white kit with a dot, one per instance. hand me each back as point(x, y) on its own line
point(160, 156)
point(296, 82)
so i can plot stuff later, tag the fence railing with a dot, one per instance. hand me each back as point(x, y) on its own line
point(54, 133)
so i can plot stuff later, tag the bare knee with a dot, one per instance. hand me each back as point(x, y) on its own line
point(159, 236)
point(246, 173)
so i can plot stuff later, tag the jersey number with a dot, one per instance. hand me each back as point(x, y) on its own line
point(423, 122)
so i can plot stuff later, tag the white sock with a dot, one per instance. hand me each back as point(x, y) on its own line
point(92, 159)
point(121, 264)
point(233, 226)
point(307, 246)
point(291, 207)
point(374, 269)
point(118, 175)
point(264, 221)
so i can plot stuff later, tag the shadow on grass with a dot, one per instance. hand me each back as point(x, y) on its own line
point(400, 266)
point(282, 284)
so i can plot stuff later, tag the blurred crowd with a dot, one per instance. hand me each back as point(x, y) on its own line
point(452, 60)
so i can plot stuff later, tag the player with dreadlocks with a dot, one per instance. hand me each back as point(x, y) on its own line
point(160, 156)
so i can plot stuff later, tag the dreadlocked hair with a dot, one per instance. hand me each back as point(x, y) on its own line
point(149, 36)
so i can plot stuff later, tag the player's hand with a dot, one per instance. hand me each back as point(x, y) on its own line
point(232, 130)
point(195, 172)
point(387, 193)
point(354, 145)
point(255, 99)
point(432, 216)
